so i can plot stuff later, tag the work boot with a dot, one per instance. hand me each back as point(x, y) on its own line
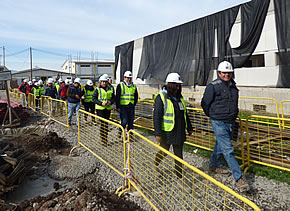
point(218, 170)
point(243, 184)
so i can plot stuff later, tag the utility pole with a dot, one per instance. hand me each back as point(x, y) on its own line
point(30, 63)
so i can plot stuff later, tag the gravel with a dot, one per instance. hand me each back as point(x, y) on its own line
point(267, 194)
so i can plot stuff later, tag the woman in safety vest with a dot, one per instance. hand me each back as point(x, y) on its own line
point(36, 91)
point(87, 98)
point(171, 120)
point(104, 97)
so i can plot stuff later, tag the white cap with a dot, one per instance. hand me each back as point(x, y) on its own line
point(66, 81)
point(33, 80)
point(128, 74)
point(77, 80)
point(173, 78)
point(60, 80)
point(36, 84)
point(225, 67)
point(30, 83)
point(50, 80)
point(25, 80)
point(90, 83)
point(104, 77)
point(40, 82)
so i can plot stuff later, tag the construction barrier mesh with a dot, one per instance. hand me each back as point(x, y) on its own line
point(169, 183)
point(268, 142)
point(104, 138)
point(285, 108)
point(59, 114)
point(31, 101)
point(45, 105)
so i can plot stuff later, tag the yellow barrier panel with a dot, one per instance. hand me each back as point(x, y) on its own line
point(31, 101)
point(144, 114)
point(18, 97)
point(258, 106)
point(193, 98)
point(267, 144)
point(285, 111)
point(104, 139)
point(164, 190)
point(60, 114)
point(45, 105)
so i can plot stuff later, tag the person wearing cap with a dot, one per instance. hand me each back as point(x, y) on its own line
point(171, 120)
point(36, 91)
point(87, 98)
point(126, 100)
point(74, 94)
point(220, 103)
point(103, 98)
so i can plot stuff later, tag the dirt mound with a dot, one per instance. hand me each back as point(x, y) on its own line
point(79, 198)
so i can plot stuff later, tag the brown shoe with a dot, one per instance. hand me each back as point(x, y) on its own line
point(243, 184)
point(216, 170)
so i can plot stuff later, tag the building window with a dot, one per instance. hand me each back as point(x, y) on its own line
point(256, 61)
point(104, 65)
point(85, 65)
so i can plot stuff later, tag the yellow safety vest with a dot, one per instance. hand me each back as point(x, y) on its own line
point(127, 94)
point(88, 95)
point(104, 96)
point(169, 115)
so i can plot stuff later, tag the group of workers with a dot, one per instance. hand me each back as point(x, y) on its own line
point(171, 121)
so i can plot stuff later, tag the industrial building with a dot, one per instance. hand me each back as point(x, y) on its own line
point(250, 35)
point(88, 69)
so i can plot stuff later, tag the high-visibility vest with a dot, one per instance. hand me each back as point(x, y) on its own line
point(57, 86)
point(127, 94)
point(88, 95)
point(169, 115)
point(41, 90)
point(36, 91)
point(104, 96)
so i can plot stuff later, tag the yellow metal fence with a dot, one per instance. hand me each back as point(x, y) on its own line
point(169, 183)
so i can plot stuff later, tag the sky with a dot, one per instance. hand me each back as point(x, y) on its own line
point(60, 29)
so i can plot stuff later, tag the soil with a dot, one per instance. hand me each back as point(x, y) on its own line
point(81, 196)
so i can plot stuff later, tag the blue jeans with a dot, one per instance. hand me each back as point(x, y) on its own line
point(127, 115)
point(71, 108)
point(223, 132)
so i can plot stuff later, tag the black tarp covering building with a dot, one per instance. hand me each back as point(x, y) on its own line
point(189, 48)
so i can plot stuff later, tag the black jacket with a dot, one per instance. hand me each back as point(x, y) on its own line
point(177, 136)
point(220, 100)
point(50, 91)
point(118, 95)
point(72, 91)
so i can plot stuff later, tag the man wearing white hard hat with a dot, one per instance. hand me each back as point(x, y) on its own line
point(126, 100)
point(36, 91)
point(87, 98)
point(104, 97)
point(220, 103)
point(74, 94)
point(171, 120)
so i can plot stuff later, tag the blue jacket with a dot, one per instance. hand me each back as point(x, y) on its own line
point(50, 91)
point(72, 91)
point(220, 100)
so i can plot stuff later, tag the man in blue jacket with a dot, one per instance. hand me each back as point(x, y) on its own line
point(220, 103)
point(74, 94)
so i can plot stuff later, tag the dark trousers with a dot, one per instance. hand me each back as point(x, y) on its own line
point(127, 115)
point(178, 151)
point(89, 107)
point(37, 100)
point(104, 125)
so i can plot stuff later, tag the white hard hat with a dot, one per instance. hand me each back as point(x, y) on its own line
point(225, 67)
point(60, 80)
point(104, 77)
point(77, 80)
point(36, 84)
point(34, 80)
point(53, 80)
point(173, 78)
point(70, 81)
point(66, 81)
point(40, 82)
point(50, 80)
point(30, 83)
point(128, 74)
point(90, 83)
point(25, 80)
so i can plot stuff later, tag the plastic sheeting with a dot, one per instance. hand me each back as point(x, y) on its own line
point(282, 16)
point(125, 51)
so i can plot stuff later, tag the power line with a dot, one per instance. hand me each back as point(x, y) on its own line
point(16, 53)
point(50, 52)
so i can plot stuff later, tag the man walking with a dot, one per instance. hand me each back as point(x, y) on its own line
point(126, 100)
point(220, 103)
point(74, 94)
